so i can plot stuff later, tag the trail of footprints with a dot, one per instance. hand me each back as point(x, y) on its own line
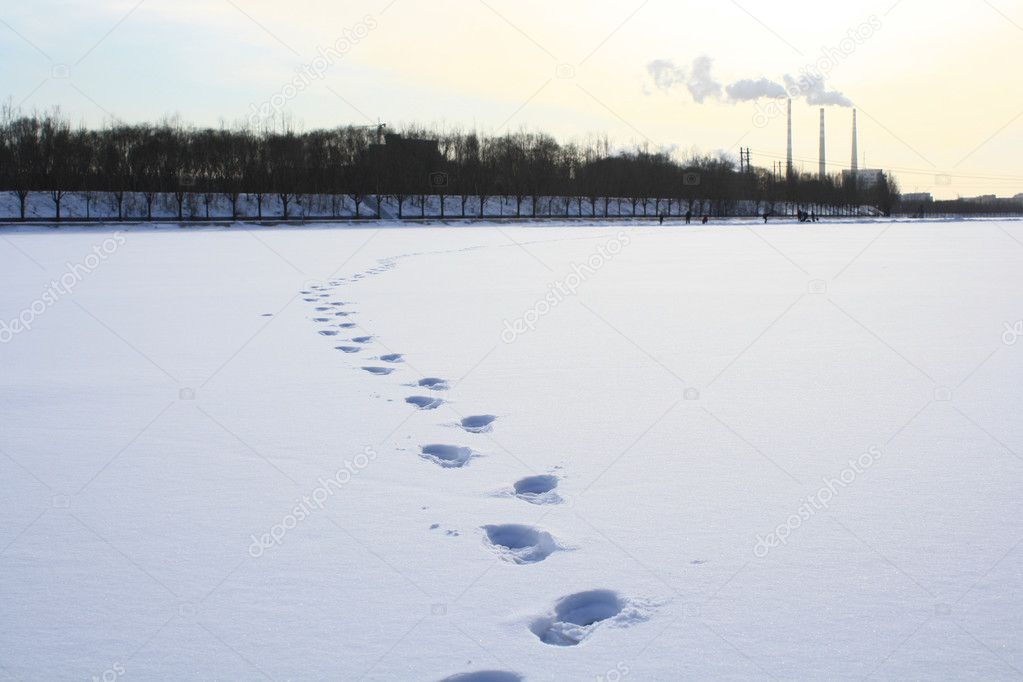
point(573, 618)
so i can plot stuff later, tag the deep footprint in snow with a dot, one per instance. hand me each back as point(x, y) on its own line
point(328, 333)
point(349, 349)
point(538, 489)
point(362, 339)
point(321, 319)
point(576, 616)
point(424, 403)
point(347, 325)
point(479, 424)
point(485, 676)
point(378, 371)
point(447, 456)
point(434, 384)
point(393, 358)
point(520, 544)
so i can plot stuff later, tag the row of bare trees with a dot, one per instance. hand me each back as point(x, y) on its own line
point(45, 153)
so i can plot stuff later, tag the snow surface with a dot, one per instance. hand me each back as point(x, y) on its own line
point(735, 452)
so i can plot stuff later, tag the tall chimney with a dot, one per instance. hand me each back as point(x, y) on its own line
point(788, 163)
point(824, 149)
point(856, 147)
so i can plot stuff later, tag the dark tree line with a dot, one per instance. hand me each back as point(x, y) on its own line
point(990, 207)
point(536, 174)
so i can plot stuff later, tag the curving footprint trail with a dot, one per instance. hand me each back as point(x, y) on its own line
point(573, 618)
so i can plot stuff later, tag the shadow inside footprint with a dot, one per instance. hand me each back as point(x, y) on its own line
point(479, 424)
point(393, 357)
point(538, 489)
point(328, 333)
point(378, 371)
point(434, 384)
point(520, 544)
point(424, 403)
point(576, 616)
point(362, 339)
point(447, 456)
point(349, 349)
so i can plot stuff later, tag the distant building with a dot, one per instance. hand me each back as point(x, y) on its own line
point(410, 154)
point(1018, 197)
point(865, 178)
point(983, 199)
point(918, 198)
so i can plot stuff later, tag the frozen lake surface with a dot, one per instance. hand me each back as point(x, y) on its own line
point(590, 452)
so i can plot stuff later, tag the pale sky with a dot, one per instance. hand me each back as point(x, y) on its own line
point(937, 83)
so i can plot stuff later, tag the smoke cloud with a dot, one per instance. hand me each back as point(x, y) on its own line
point(666, 74)
point(747, 90)
point(699, 80)
point(816, 92)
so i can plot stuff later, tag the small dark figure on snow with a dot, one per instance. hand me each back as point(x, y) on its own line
point(706, 219)
point(689, 216)
point(766, 216)
point(661, 218)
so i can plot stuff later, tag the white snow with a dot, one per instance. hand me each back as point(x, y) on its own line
point(732, 452)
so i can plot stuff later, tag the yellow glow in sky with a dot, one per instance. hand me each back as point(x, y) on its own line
point(935, 82)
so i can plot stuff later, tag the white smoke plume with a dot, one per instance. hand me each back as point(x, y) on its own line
point(816, 92)
point(747, 90)
point(699, 81)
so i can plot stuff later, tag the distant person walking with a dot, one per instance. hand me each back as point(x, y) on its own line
point(689, 216)
point(661, 219)
point(706, 219)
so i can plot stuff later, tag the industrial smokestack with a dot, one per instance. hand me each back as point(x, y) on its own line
point(788, 163)
point(856, 147)
point(824, 149)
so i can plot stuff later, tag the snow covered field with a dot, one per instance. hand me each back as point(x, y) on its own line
point(736, 452)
